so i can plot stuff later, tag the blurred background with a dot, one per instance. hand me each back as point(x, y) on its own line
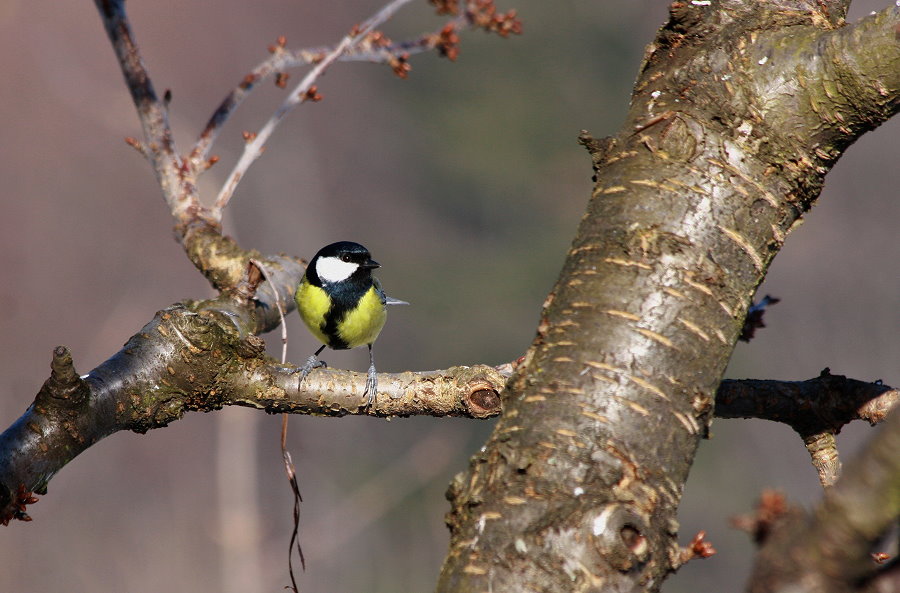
point(465, 181)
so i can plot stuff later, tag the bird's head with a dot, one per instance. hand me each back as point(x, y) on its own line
point(339, 262)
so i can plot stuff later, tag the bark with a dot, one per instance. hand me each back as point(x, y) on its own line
point(200, 357)
point(739, 111)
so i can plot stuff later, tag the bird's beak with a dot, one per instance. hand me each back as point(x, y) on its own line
point(371, 264)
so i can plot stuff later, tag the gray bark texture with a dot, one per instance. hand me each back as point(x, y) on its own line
point(739, 111)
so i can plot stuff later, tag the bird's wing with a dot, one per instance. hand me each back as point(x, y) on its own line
point(385, 299)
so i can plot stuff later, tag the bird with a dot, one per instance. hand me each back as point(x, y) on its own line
point(343, 305)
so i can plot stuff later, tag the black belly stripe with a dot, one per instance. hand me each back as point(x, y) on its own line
point(343, 299)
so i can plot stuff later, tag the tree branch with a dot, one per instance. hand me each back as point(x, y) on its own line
point(739, 111)
point(821, 404)
point(204, 355)
point(198, 228)
point(190, 343)
point(371, 47)
point(200, 357)
point(829, 550)
point(254, 147)
point(364, 42)
point(817, 409)
point(176, 178)
point(736, 116)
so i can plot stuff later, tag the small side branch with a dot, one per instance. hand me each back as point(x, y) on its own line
point(254, 147)
point(824, 403)
point(817, 409)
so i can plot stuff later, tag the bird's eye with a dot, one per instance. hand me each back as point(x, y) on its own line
point(345, 257)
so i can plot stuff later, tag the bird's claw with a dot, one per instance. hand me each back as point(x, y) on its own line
point(311, 363)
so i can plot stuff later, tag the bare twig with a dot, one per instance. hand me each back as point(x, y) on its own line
point(817, 409)
point(253, 148)
point(281, 59)
point(363, 43)
point(175, 176)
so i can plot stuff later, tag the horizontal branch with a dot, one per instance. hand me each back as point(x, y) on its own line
point(205, 355)
point(464, 391)
point(821, 404)
point(202, 356)
point(816, 409)
point(365, 43)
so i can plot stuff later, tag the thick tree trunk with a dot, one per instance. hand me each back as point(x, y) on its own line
point(740, 110)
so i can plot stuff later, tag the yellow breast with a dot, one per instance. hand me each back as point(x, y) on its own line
point(357, 327)
point(363, 324)
point(313, 305)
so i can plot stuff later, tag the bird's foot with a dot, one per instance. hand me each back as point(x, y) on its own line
point(311, 363)
point(371, 386)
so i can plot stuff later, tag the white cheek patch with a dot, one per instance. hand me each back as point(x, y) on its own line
point(332, 269)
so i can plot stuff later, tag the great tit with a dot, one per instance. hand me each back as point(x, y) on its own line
point(342, 304)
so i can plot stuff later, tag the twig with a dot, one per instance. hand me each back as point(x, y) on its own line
point(253, 148)
point(289, 468)
point(817, 409)
point(175, 177)
point(363, 43)
point(282, 60)
point(295, 489)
